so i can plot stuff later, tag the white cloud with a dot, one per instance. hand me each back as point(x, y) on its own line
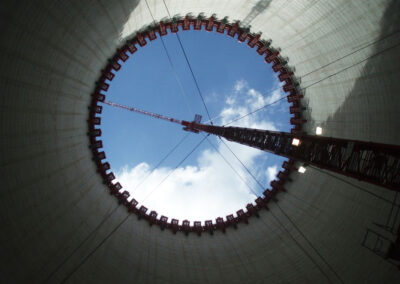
point(239, 85)
point(271, 173)
point(210, 188)
point(276, 95)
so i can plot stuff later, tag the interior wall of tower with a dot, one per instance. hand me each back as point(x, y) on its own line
point(346, 55)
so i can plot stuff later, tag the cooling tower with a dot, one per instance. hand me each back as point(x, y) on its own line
point(336, 230)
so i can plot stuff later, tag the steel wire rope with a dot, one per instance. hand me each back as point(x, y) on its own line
point(80, 245)
point(162, 160)
point(230, 165)
point(395, 219)
point(241, 178)
point(317, 69)
point(237, 158)
point(239, 256)
point(103, 221)
point(256, 194)
point(261, 186)
point(210, 120)
point(254, 111)
point(201, 96)
point(190, 68)
point(391, 210)
point(348, 67)
point(199, 91)
point(194, 78)
point(351, 53)
point(281, 224)
point(170, 173)
point(195, 81)
point(298, 244)
point(301, 233)
point(315, 83)
point(354, 185)
point(168, 154)
point(172, 65)
point(119, 225)
point(295, 43)
point(304, 88)
point(302, 76)
point(94, 250)
point(290, 220)
point(258, 182)
point(334, 61)
point(303, 200)
point(287, 231)
point(310, 243)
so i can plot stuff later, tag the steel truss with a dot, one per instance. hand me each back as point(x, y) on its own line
point(367, 161)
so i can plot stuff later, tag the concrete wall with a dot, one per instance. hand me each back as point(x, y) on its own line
point(51, 53)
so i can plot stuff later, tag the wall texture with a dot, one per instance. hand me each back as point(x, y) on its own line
point(346, 54)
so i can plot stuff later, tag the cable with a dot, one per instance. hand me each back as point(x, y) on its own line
point(190, 68)
point(395, 219)
point(257, 181)
point(290, 220)
point(187, 156)
point(230, 165)
point(237, 158)
point(294, 225)
point(391, 209)
point(352, 184)
point(194, 78)
point(348, 67)
point(264, 106)
point(302, 200)
point(171, 64)
point(162, 160)
point(243, 265)
point(256, 110)
point(299, 245)
point(95, 249)
point(199, 88)
point(317, 82)
point(103, 221)
point(309, 242)
point(81, 244)
point(351, 53)
point(334, 61)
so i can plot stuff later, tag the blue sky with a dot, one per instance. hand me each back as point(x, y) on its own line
point(234, 80)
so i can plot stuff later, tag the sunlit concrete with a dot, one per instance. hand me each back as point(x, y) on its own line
point(51, 54)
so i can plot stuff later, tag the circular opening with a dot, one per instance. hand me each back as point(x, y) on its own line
point(158, 164)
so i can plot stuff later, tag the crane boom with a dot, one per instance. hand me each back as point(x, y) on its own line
point(137, 110)
point(371, 162)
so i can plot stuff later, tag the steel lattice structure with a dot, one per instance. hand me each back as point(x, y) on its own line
point(371, 162)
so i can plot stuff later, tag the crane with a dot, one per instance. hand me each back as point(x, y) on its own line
point(375, 163)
